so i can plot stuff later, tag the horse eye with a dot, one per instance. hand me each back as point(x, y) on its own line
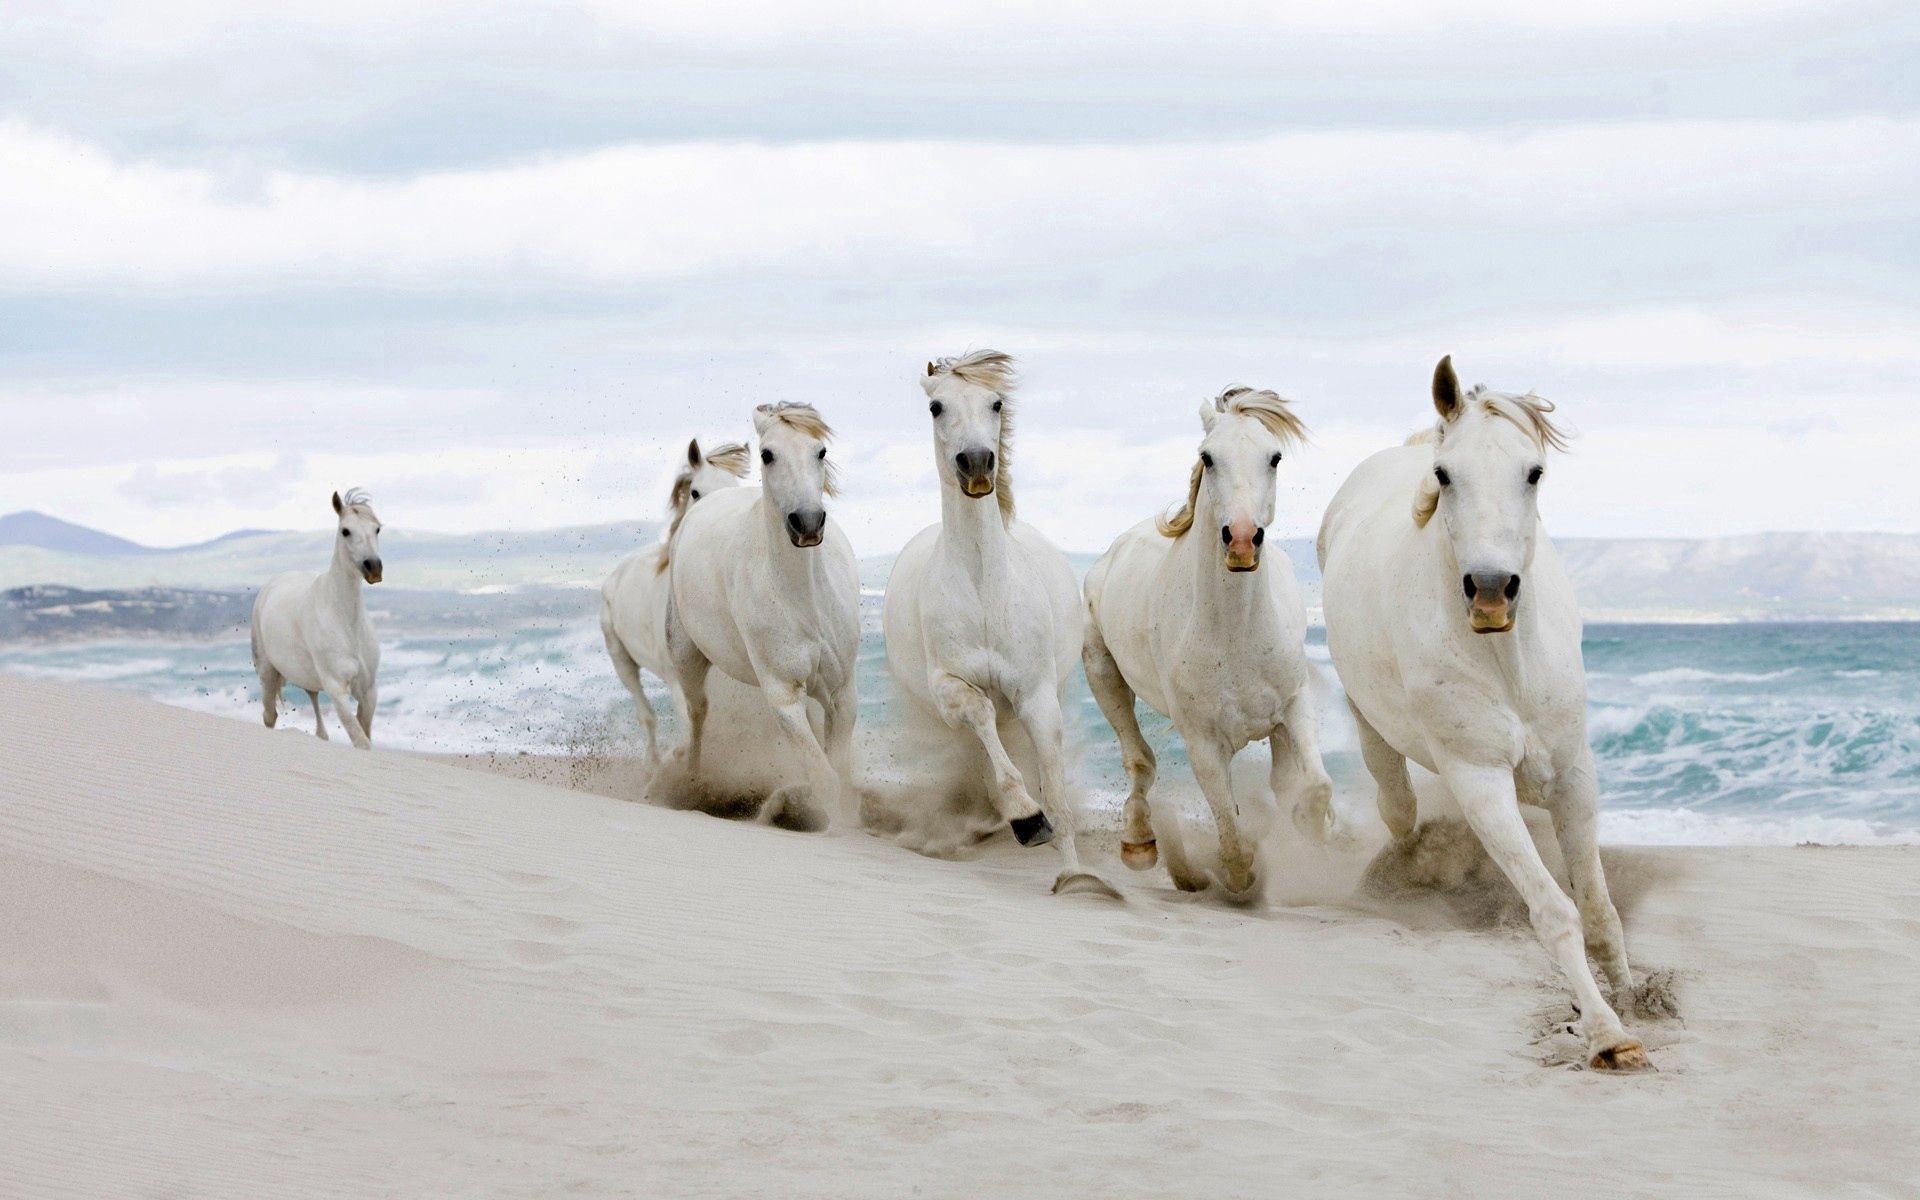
point(1206, 460)
point(766, 456)
point(936, 408)
point(343, 533)
point(1533, 476)
point(1275, 460)
point(823, 453)
point(996, 406)
point(696, 494)
point(1440, 473)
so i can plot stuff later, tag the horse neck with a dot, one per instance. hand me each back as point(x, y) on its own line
point(342, 582)
point(973, 531)
point(1227, 600)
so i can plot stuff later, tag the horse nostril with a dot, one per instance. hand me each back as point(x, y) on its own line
point(1260, 535)
point(1466, 581)
point(1513, 587)
point(1226, 536)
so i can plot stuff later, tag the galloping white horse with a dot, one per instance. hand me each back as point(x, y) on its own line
point(1458, 641)
point(633, 601)
point(1198, 628)
point(765, 587)
point(312, 630)
point(983, 620)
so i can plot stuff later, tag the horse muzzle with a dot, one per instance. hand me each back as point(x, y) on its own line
point(807, 529)
point(1491, 601)
point(975, 471)
point(370, 570)
point(1243, 542)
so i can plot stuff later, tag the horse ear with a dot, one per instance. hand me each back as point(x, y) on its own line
point(1208, 414)
point(931, 369)
point(1446, 390)
point(762, 417)
point(693, 453)
point(337, 506)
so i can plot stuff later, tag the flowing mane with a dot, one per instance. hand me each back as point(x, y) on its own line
point(994, 371)
point(357, 500)
point(1267, 407)
point(806, 419)
point(1529, 413)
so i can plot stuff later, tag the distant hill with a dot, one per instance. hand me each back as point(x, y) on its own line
point(1768, 576)
point(49, 551)
point(37, 529)
point(51, 533)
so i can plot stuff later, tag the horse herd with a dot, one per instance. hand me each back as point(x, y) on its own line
point(1450, 622)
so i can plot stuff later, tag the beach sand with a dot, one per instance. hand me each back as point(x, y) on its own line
point(236, 962)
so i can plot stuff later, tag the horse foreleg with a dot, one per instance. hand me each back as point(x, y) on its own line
point(1575, 804)
point(319, 718)
point(842, 709)
point(1041, 717)
point(1398, 807)
point(629, 672)
point(1297, 770)
point(1487, 798)
point(1212, 762)
point(1137, 847)
point(336, 691)
point(789, 703)
point(963, 705)
point(365, 703)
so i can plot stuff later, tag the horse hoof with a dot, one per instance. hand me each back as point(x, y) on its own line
point(1247, 891)
point(1083, 883)
point(1140, 856)
point(1628, 1055)
point(1035, 830)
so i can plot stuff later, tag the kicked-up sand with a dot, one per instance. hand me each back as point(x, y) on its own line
point(249, 964)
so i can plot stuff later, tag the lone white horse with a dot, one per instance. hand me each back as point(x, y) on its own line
point(1205, 633)
point(633, 601)
point(1458, 641)
point(983, 620)
point(312, 630)
point(765, 587)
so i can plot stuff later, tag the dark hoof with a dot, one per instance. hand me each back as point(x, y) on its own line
point(1032, 831)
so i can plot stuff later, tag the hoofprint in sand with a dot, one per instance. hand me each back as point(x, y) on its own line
point(236, 963)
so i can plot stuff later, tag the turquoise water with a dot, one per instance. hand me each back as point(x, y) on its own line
point(1702, 733)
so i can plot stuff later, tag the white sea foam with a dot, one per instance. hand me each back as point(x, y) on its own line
point(1674, 675)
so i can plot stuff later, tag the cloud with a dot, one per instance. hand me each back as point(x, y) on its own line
point(75, 216)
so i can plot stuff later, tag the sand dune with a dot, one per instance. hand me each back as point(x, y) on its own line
point(242, 963)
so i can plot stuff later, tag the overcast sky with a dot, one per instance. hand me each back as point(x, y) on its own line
point(496, 262)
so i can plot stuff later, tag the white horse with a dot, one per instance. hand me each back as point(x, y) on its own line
point(633, 601)
point(765, 587)
point(983, 621)
point(312, 630)
point(1198, 629)
point(1458, 641)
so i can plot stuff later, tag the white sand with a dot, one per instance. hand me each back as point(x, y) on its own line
point(241, 963)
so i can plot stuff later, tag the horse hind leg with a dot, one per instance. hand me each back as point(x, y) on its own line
point(271, 681)
point(319, 719)
point(1138, 848)
point(1398, 807)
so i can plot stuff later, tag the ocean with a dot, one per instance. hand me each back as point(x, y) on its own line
point(1703, 734)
